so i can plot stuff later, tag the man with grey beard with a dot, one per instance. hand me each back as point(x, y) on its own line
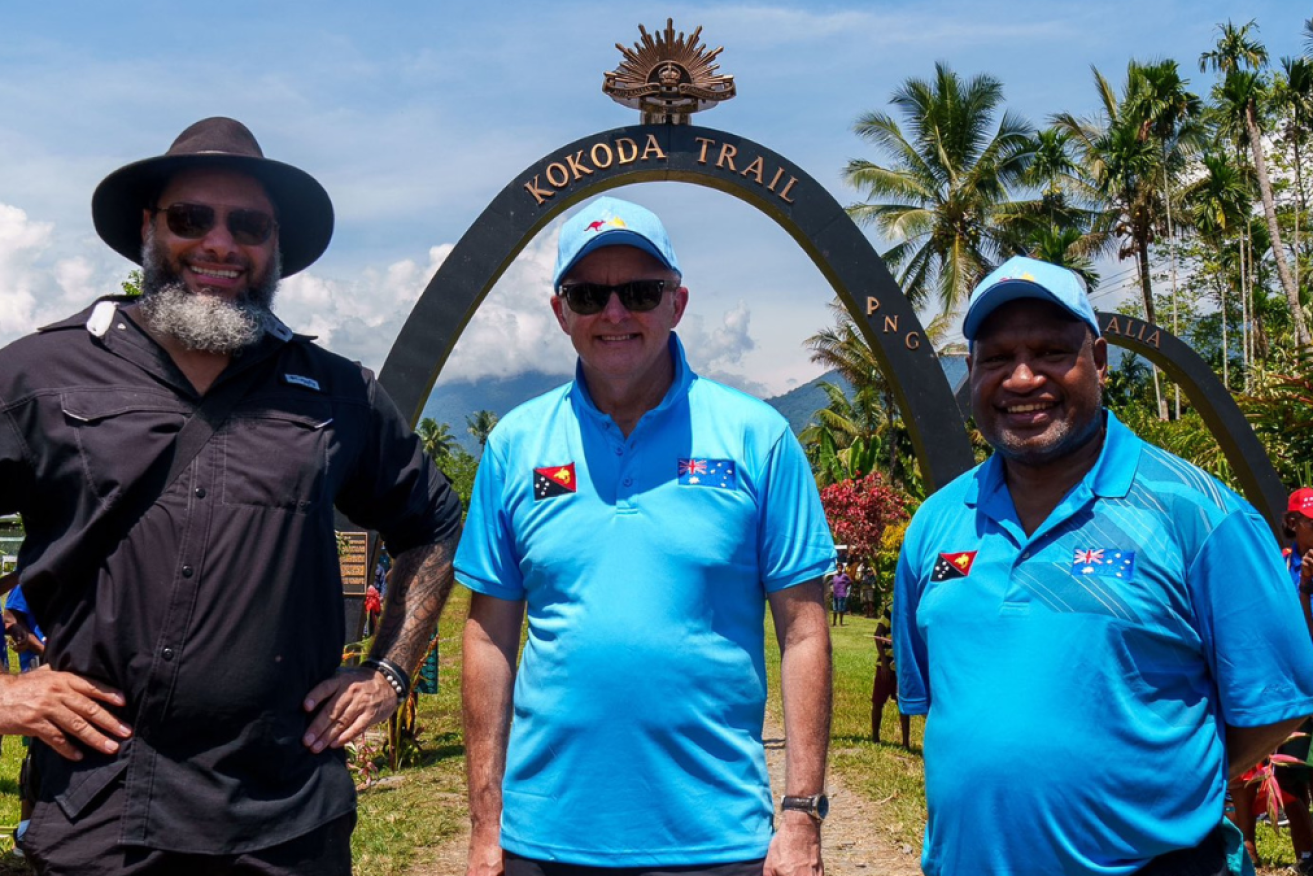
point(201, 322)
point(192, 716)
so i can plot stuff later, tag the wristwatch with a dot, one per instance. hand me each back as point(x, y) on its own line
point(817, 806)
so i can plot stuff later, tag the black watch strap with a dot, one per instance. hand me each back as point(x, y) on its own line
point(817, 806)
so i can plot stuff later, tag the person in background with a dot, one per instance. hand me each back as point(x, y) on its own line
point(30, 644)
point(840, 587)
point(23, 630)
point(1294, 779)
point(885, 687)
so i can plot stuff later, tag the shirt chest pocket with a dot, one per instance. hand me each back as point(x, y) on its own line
point(275, 453)
point(119, 433)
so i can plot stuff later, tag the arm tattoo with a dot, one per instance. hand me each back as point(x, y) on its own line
point(421, 582)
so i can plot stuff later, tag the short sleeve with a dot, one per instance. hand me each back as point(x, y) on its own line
point(486, 561)
point(1251, 623)
point(395, 488)
point(793, 537)
point(910, 655)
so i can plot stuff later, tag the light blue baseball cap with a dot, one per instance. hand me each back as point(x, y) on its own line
point(1021, 277)
point(611, 222)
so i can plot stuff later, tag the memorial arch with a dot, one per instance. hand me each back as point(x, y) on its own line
point(718, 160)
point(814, 219)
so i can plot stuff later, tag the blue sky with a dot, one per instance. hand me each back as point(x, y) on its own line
point(414, 116)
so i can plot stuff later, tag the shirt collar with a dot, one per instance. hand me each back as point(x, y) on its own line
point(679, 387)
point(1110, 477)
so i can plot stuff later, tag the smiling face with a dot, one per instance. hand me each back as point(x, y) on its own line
point(1036, 382)
point(214, 263)
point(624, 354)
point(209, 293)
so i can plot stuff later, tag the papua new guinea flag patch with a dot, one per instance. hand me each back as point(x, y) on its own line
point(956, 565)
point(554, 480)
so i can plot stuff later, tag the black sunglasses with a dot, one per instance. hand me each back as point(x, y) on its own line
point(194, 221)
point(638, 296)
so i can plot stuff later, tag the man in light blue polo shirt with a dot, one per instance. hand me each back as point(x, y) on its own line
point(1097, 631)
point(645, 516)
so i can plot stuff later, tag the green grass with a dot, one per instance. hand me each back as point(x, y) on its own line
point(11, 760)
point(1273, 849)
point(884, 772)
point(418, 808)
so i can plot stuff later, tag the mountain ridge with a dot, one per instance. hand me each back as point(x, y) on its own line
point(452, 402)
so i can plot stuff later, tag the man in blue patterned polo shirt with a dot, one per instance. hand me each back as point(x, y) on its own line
point(645, 516)
point(1097, 631)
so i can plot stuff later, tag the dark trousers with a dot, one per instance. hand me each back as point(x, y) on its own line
point(91, 848)
point(1206, 859)
point(518, 866)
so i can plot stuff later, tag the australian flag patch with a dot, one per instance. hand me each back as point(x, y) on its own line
point(1104, 562)
point(707, 473)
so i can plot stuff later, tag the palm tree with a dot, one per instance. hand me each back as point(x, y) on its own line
point(845, 438)
point(1219, 203)
point(436, 438)
point(1169, 114)
point(479, 424)
point(1126, 166)
point(1236, 54)
point(873, 413)
point(1065, 247)
point(946, 194)
point(1295, 95)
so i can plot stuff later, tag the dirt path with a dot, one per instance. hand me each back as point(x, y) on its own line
point(849, 843)
point(851, 847)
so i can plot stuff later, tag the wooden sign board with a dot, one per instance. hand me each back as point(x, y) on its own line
point(355, 562)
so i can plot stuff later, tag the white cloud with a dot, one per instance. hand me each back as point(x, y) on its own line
point(35, 287)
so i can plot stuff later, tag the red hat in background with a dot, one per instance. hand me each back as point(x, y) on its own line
point(1301, 502)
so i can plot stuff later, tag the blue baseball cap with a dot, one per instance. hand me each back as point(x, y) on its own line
point(611, 222)
point(1021, 277)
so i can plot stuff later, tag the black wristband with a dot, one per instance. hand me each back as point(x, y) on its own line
point(392, 673)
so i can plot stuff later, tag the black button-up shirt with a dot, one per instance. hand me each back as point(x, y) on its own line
point(223, 606)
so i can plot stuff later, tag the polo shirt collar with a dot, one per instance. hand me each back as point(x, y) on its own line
point(679, 387)
point(1110, 477)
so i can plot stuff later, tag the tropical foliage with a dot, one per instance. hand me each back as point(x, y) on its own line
point(946, 192)
point(459, 466)
point(1199, 188)
point(860, 510)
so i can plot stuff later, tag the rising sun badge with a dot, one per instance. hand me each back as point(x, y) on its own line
point(667, 77)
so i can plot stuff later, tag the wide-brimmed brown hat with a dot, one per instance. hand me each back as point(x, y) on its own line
point(305, 212)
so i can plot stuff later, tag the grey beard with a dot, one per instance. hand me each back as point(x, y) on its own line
point(205, 323)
